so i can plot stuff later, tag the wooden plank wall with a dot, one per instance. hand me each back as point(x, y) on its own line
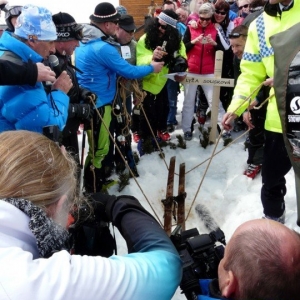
point(138, 9)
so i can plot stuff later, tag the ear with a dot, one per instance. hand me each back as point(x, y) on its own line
point(60, 203)
point(231, 285)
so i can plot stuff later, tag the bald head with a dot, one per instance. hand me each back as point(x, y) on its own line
point(261, 253)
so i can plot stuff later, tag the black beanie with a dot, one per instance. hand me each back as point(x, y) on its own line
point(66, 27)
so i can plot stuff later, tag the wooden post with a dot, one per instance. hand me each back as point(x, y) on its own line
point(216, 97)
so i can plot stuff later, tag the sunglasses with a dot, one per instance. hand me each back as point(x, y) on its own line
point(129, 31)
point(163, 26)
point(243, 6)
point(115, 22)
point(218, 12)
point(236, 35)
point(205, 19)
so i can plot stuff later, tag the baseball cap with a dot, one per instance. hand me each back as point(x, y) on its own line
point(126, 22)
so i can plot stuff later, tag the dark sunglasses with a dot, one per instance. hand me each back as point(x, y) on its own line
point(236, 35)
point(115, 22)
point(218, 12)
point(205, 19)
point(243, 6)
point(129, 31)
point(163, 26)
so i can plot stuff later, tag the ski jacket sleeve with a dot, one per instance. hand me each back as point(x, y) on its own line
point(18, 74)
point(113, 60)
point(151, 270)
point(42, 109)
point(253, 72)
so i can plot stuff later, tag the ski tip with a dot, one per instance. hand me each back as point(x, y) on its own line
point(205, 215)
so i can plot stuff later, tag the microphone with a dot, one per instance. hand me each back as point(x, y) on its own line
point(54, 64)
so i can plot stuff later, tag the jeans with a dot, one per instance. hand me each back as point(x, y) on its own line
point(172, 88)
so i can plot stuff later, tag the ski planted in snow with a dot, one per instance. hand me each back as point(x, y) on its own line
point(180, 199)
point(168, 202)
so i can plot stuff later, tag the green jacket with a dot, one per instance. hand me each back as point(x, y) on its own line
point(153, 82)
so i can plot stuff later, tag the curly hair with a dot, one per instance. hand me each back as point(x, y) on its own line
point(171, 35)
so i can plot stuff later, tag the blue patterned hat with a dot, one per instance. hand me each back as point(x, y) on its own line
point(170, 21)
point(35, 23)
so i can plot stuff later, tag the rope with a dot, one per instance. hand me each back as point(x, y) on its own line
point(263, 103)
point(124, 160)
point(192, 169)
point(154, 137)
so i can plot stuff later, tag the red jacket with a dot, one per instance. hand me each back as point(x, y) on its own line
point(201, 58)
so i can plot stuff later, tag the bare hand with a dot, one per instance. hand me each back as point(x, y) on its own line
point(179, 78)
point(45, 73)
point(228, 120)
point(210, 40)
point(269, 82)
point(63, 83)
point(158, 53)
point(247, 119)
point(157, 66)
point(194, 24)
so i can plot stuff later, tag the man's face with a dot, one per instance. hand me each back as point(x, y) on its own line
point(169, 7)
point(43, 48)
point(111, 28)
point(67, 47)
point(182, 15)
point(162, 26)
point(238, 46)
point(123, 36)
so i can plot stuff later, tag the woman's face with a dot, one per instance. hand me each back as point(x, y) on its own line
point(205, 20)
point(220, 15)
point(243, 7)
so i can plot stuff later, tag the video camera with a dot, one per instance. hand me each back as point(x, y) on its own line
point(200, 256)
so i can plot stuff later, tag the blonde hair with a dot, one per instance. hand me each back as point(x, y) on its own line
point(35, 168)
point(206, 9)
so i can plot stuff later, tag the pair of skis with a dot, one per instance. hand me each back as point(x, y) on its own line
point(174, 204)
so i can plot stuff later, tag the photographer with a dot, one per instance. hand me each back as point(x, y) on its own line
point(37, 190)
point(261, 262)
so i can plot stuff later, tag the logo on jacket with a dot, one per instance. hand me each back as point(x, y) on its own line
point(295, 105)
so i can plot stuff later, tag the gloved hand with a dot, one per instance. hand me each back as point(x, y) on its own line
point(83, 111)
point(87, 96)
point(99, 202)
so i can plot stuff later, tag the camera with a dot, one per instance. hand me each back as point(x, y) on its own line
point(89, 233)
point(200, 255)
point(53, 133)
point(204, 40)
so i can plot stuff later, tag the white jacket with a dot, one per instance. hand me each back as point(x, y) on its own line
point(153, 274)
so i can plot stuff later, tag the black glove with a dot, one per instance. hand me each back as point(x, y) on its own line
point(83, 111)
point(87, 96)
point(99, 202)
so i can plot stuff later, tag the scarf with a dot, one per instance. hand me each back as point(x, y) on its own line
point(50, 237)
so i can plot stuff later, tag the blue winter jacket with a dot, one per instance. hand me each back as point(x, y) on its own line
point(100, 62)
point(209, 290)
point(24, 106)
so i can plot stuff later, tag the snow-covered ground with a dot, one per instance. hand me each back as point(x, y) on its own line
point(231, 197)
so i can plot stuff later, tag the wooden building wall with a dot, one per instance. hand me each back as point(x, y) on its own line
point(138, 9)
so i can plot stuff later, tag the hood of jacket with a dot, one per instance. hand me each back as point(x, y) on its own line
point(92, 33)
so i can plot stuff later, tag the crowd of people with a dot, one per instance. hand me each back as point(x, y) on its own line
point(57, 75)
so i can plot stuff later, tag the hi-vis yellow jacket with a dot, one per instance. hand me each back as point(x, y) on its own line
point(258, 59)
point(153, 82)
